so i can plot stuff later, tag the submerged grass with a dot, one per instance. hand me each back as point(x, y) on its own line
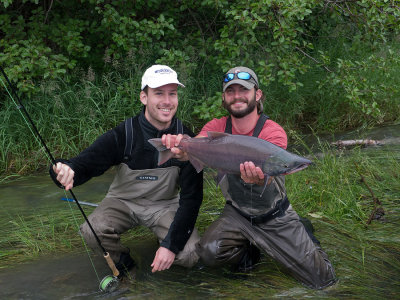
point(330, 189)
point(28, 236)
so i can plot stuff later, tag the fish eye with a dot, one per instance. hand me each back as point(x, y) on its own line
point(286, 166)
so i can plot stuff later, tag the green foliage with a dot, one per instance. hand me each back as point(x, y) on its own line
point(209, 108)
point(328, 64)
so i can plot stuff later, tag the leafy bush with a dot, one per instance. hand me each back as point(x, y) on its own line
point(331, 60)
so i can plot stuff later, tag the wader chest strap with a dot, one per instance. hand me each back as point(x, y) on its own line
point(257, 129)
point(279, 209)
point(133, 137)
point(179, 127)
point(128, 138)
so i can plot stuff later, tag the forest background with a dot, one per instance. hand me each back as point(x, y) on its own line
point(325, 66)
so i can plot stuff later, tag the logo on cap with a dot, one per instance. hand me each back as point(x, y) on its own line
point(163, 71)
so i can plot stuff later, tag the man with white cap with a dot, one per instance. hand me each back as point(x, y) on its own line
point(255, 218)
point(165, 198)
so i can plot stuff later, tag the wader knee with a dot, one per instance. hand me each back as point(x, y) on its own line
point(217, 252)
point(108, 239)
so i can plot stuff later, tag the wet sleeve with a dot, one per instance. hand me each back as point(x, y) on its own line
point(105, 152)
point(191, 197)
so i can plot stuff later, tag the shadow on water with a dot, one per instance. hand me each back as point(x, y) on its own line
point(365, 271)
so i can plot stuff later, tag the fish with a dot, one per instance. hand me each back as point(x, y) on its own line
point(225, 152)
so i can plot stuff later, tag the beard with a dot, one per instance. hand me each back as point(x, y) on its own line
point(251, 106)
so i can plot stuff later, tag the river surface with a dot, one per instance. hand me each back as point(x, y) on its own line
point(73, 276)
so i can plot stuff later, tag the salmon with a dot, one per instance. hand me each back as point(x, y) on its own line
point(225, 152)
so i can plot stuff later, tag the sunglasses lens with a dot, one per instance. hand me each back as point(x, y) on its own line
point(229, 77)
point(243, 75)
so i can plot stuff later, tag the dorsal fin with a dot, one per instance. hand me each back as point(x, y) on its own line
point(213, 134)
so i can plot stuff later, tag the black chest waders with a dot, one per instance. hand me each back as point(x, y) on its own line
point(110, 282)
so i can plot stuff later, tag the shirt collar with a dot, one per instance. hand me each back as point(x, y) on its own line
point(152, 131)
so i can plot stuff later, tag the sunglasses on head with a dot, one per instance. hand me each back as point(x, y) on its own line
point(241, 75)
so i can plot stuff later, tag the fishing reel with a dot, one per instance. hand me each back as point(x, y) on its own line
point(109, 284)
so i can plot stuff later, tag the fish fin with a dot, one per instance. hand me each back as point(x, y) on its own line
point(197, 164)
point(220, 176)
point(156, 143)
point(164, 154)
point(213, 134)
point(266, 179)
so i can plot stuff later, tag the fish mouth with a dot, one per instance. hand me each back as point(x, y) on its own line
point(299, 168)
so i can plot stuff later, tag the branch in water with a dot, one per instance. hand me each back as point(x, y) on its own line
point(347, 143)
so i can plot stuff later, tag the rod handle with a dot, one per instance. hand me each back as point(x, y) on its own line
point(111, 264)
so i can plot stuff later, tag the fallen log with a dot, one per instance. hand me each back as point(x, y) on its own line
point(349, 143)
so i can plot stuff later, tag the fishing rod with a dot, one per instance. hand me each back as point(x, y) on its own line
point(107, 282)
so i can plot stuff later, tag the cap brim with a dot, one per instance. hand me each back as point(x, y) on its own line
point(247, 84)
point(157, 84)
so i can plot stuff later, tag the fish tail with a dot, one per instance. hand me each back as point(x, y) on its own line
point(164, 154)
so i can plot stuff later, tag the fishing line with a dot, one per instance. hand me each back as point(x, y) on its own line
point(107, 281)
point(83, 240)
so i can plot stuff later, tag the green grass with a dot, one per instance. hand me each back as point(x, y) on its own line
point(70, 114)
point(330, 193)
point(330, 190)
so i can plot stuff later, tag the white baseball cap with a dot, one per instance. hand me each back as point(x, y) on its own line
point(159, 75)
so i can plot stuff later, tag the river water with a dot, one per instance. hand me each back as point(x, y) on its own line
point(74, 276)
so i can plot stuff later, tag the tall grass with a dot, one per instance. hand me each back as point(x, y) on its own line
point(69, 118)
point(25, 237)
point(70, 114)
point(337, 185)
